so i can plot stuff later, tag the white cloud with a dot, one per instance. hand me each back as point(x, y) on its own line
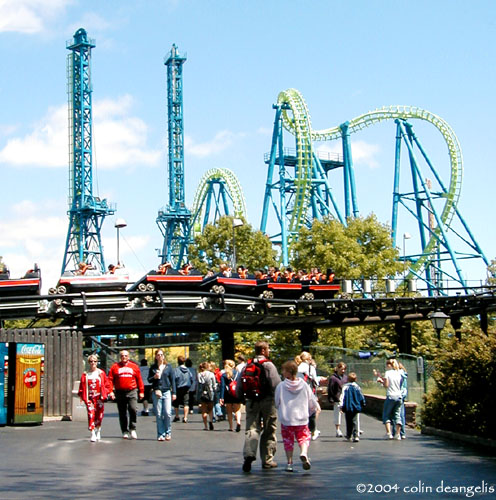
point(29, 16)
point(363, 153)
point(220, 142)
point(119, 139)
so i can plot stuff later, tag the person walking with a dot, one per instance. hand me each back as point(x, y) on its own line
point(192, 389)
point(391, 412)
point(258, 383)
point(295, 402)
point(228, 398)
point(144, 370)
point(184, 381)
point(125, 384)
point(351, 403)
point(307, 369)
point(207, 385)
point(336, 382)
point(161, 376)
point(93, 391)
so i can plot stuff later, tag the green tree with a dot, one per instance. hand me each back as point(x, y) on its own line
point(362, 249)
point(215, 246)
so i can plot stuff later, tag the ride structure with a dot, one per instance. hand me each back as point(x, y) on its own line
point(174, 220)
point(303, 190)
point(219, 193)
point(86, 212)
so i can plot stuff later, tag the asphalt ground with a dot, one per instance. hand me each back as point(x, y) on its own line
point(57, 461)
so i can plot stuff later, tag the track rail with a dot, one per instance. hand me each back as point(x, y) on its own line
point(296, 119)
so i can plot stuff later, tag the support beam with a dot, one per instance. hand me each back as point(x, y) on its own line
point(456, 323)
point(307, 336)
point(404, 332)
point(227, 340)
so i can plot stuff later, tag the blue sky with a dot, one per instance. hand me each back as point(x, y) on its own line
point(346, 58)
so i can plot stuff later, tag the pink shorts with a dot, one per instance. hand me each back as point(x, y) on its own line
point(290, 432)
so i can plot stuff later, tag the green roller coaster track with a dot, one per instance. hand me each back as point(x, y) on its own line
point(296, 119)
point(201, 202)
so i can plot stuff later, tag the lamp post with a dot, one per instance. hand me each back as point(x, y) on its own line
point(119, 224)
point(438, 320)
point(235, 223)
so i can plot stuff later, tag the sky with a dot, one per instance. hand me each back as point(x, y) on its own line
point(346, 58)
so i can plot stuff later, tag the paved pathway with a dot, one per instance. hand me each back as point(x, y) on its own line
point(57, 461)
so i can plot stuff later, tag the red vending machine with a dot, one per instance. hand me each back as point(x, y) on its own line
point(26, 382)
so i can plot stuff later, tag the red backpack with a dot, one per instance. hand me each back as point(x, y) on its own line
point(254, 380)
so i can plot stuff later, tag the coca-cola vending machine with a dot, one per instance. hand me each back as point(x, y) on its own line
point(4, 370)
point(26, 382)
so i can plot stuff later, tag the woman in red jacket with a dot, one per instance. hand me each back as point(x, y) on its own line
point(93, 390)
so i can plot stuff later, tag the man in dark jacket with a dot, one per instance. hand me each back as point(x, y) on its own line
point(336, 382)
point(184, 381)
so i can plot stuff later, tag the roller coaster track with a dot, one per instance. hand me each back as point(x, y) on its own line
point(299, 125)
point(233, 187)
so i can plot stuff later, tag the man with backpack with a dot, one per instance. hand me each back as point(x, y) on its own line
point(256, 386)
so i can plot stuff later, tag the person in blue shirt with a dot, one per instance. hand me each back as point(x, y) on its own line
point(351, 404)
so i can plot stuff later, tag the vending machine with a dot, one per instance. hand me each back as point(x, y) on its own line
point(4, 371)
point(26, 383)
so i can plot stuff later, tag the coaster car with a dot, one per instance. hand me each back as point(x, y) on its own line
point(91, 281)
point(29, 284)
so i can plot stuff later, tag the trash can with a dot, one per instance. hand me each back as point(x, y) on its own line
point(79, 413)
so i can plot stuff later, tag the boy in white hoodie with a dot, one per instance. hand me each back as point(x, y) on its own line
point(295, 402)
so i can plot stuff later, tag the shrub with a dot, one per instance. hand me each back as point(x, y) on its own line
point(463, 399)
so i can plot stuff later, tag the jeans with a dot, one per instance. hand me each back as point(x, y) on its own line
point(163, 410)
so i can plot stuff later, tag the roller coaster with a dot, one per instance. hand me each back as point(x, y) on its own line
point(303, 190)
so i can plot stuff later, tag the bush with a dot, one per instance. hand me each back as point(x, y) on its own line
point(464, 397)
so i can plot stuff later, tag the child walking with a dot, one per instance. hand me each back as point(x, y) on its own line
point(351, 404)
point(295, 402)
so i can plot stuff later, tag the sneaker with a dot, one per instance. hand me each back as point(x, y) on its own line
point(289, 468)
point(98, 436)
point(397, 437)
point(269, 465)
point(388, 436)
point(403, 436)
point(315, 434)
point(176, 419)
point(168, 437)
point(247, 464)
point(185, 420)
point(238, 427)
point(144, 413)
point(125, 435)
point(93, 436)
point(356, 439)
point(339, 434)
point(211, 426)
point(306, 462)
point(161, 438)
point(134, 435)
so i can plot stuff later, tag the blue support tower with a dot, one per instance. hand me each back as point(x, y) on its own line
point(174, 221)
point(86, 212)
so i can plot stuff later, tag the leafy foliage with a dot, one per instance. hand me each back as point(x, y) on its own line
point(215, 246)
point(362, 249)
point(464, 397)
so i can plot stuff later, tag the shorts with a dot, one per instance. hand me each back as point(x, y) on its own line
point(290, 432)
point(182, 397)
point(205, 407)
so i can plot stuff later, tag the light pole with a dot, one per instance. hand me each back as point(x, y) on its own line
point(235, 223)
point(438, 320)
point(119, 224)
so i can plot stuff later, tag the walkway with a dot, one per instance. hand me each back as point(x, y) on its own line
point(57, 461)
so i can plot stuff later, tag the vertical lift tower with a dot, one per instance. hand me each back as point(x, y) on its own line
point(174, 220)
point(86, 212)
